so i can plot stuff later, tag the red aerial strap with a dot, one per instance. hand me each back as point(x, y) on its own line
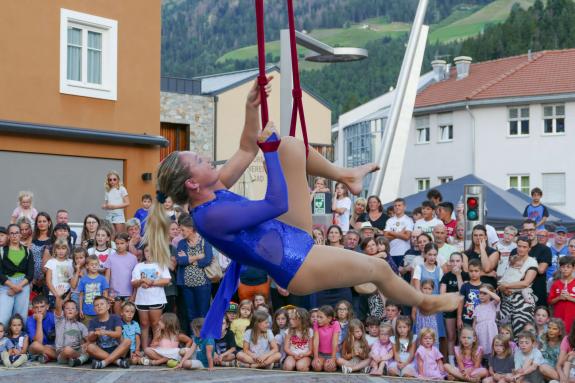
point(296, 91)
point(262, 78)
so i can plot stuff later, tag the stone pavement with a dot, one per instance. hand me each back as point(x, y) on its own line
point(52, 373)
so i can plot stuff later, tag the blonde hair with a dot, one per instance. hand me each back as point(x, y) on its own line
point(386, 327)
point(170, 182)
point(59, 243)
point(426, 331)
point(25, 193)
point(171, 328)
point(113, 173)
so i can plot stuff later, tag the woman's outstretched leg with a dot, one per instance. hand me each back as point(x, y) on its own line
point(327, 267)
point(318, 165)
point(295, 165)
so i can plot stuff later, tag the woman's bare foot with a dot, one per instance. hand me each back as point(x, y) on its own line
point(354, 179)
point(432, 304)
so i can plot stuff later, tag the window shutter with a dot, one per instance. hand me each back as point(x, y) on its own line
point(554, 188)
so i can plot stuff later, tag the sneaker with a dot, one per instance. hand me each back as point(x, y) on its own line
point(123, 363)
point(43, 359)
point(97, 364)
point(74, 362)
point(145, 362)
point(172, 363)
point(366, 370)
point(346, 370)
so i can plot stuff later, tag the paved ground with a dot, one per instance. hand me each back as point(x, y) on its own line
point(52, 373)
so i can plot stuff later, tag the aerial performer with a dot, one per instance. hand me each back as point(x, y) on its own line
point(273, 234)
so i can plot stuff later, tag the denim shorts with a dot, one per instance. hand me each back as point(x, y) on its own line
point(116, 217)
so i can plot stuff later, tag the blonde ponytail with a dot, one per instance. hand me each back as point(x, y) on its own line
point(171, 178)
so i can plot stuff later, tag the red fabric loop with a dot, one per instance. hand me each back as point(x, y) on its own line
point(270, 146)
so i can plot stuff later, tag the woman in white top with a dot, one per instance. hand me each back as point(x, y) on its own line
point(115, 200)
point(341, 207)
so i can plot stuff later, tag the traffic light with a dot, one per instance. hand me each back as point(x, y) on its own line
point(472, 204)
point(474, 213)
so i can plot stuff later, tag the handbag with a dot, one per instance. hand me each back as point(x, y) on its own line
point(214, 271)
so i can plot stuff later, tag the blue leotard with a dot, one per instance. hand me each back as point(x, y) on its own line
point(247, 232)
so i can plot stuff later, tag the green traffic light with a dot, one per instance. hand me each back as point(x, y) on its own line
point(472, 215)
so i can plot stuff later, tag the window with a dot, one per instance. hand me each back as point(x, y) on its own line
point(445, 180)
point(445, 127)
point(554, 188)
point(519, 121)
point(422, 184)
point(359, 147)
point(520, 182)
point(88, 55)
point(422, 129)
point(554, 119)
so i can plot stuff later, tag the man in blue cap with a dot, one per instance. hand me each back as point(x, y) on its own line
point(558, 249)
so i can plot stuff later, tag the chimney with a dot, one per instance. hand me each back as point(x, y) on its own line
point(462, 64)
point(439, 69)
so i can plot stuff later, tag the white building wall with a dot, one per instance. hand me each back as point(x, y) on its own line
point(497, 155)
point(500, 155)
point(437, 159)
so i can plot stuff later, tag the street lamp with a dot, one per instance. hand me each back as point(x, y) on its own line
point(324, 53)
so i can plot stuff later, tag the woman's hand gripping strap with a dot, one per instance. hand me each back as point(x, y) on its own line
point(271, 144)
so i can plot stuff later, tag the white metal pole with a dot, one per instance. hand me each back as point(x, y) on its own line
point(389, 134)
point(286, 83)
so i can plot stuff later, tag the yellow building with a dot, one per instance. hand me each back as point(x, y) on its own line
point(79, 96)
point(206, 114)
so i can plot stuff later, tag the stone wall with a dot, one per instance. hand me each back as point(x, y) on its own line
point(195, 111)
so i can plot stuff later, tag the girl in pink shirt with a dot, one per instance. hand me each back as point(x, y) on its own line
point(325, 337)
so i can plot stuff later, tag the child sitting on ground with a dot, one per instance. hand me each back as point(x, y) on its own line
point(225, 347)
point(372, 325)
point(166, 344)
point(105, 336)
point(240, 324)
point(527, 359)
point(5, 346)
point(41, 327)
point(70, 333)
point(355, 350)
point(203, 348)
point(468, 356)
point(429, 359)
point(501, 364)
point(260, 349)
point(298, 341)
point(382, 351)
point(18, 354)
point(325, 336)
point(131, 330)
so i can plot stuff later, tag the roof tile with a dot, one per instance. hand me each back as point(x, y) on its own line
point(548, 72)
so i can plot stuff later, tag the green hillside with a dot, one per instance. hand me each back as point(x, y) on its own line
point(465, 21)
point(356, 35)
point(472, 25)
